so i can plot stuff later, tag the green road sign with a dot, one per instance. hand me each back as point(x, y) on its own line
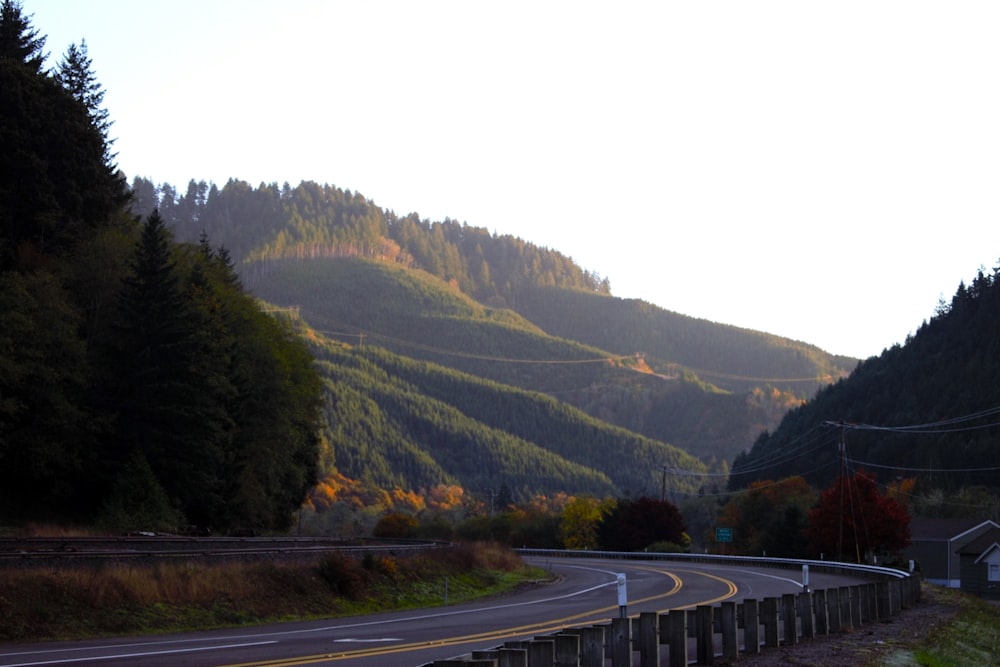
point(723, 534)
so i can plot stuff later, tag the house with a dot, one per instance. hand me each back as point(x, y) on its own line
point(980, 565)
point(935, 543)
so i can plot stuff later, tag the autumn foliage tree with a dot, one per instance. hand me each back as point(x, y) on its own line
point(395, 524)
point(579, 520)
point(854, 520)
point(769, 517)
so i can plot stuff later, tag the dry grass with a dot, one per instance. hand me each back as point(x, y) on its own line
point(48, 530)
point(117, 599)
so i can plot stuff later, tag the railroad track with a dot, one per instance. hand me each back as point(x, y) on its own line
point(61, 551)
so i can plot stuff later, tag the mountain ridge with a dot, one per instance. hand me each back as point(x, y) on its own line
point(924, 411)
point(499, 308)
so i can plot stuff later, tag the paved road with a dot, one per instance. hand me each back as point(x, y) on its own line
point(586, 593)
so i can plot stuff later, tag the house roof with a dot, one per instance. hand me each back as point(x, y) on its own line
point(944, 530)
point(982, 545)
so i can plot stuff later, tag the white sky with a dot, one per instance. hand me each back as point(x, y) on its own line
point(821, 171)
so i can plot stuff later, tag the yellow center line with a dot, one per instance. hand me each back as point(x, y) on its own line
point(731, 586)
point(551, 626)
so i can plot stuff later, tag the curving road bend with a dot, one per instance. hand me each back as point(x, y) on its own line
point(586, 593)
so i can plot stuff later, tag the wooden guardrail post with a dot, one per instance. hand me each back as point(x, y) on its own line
point(791, 628)
point(805, 612)
point(541, 653)
point(729, 629)
point(512, 657)
point(772, 622)
point(621, 642)
point(833, 609)
point(846, 617)
point(567, 647)
point(895, 596)
point(769, 616)
point(864, 614)
point(883, 603)
point(751, 627)
point(704, 635)
point(592, 646)
point(855, 594)
point(678, 638)
point(820, 609)
point(490, 654)
point(869, 613)
point(648, 639)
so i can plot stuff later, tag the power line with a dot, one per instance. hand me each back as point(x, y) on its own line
point(813, 440)
point(869, 464)
point(740, 492)
point(936, 427)
point(622, 357)
point(749, 378)
point(480, 357)
point(340, 333)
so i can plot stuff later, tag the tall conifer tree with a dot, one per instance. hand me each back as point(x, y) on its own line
point(164, 404)
point(19, 42)
point(76, 75)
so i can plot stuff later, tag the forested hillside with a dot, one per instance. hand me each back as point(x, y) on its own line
point(267, 223)
point(927, 411)
point(400, 423)
point(497, 307)
point(238, 357)
point(730, 357)
point(140, 386)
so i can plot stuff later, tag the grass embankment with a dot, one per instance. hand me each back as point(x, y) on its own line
point(972, 637)
point(72, 603)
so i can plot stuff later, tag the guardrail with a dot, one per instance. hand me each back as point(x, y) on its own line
point(88, 551)
point(723, 630)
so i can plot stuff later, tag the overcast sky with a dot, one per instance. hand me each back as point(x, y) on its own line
point(821, 171)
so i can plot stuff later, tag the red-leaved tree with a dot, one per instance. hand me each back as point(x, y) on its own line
point(853, 521)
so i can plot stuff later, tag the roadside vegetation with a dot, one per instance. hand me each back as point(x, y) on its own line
point(84, 602)
point(972, 637)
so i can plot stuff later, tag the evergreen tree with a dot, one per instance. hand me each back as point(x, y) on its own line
point(783, 537)
point(56, 186)
point(145, 197)
point(75, 74)
point(43, 427)
point(138, 502)
point(276, 447)
point(165, 406)
point(763, 520)
point(20, 43)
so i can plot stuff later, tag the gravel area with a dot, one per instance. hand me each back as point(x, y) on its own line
point(877, 644)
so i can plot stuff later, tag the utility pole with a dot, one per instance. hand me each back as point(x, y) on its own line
point(843, 482)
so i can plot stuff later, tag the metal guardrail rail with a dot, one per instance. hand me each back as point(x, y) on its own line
point(834, 567)
point(653, 639)
point(44, 551)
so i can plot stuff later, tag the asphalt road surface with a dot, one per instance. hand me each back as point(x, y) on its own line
point(585, 593)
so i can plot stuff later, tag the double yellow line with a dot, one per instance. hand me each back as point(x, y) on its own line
point(547, 627)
